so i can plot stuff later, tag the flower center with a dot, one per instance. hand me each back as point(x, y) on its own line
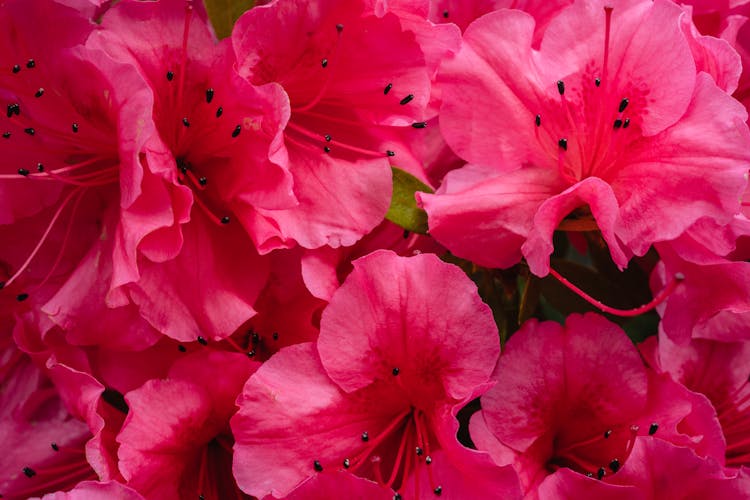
point(77, 155)
point(395, 454)
point(586, 134)
point(304, 127)
point(598, 455)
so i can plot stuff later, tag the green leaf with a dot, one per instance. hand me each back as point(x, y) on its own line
point(223, 14)
point(404, 210)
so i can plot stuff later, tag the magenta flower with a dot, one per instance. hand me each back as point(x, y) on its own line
point(178, 428)
point(577, 397)
point(214, 135)
point(403, 344)
point(66, 189)
point(719, 370)
point(464, 12)
point(655, 469)
point(600, 124)
point(697, 308)
point(43, 442)
point(88, 490)
point(349, 97)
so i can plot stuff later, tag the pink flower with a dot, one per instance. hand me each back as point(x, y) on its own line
point(577, 398)
point(349, 99)
point(464, 12)
point(698, 308)
point(88, 490)
point(607, 122)
point(327, 485)
point(214, 134)
point(655, 469)
point(719, 370)
point(43, 443)
point(404, 343)
point(175, 442)
point(66, 183)
point(324, 269)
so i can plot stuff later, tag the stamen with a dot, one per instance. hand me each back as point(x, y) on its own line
point(291, 126)
point(68, 230)
point(329, 76)
point(185, 36)
point(41, 241)
point(406, 100)
point(660, 297)
point(607, 26)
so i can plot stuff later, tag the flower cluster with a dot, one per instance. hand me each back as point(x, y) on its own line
point(378, 249)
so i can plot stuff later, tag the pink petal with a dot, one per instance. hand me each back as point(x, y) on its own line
point(418, 315)
point(291, 414)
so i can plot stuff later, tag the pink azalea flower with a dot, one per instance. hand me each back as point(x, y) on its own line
point(655, 469)
point(89, 490)
point(349, 97)
point(43, 443)
point(215, 134)
point(463, 13)
point(697, 308)
point(324, 269)
point(577, 398)
point(403, 344)
point(600, 123)
point(60, 186)
point(178, 428)
point(341, 484)
point(719, 370)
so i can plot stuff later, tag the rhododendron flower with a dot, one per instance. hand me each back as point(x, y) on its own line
point(88, 490)
point(214, 134)
point(403, 344)
point(656, 469)
point(179, 428)
point(348, 98)
point(71, 187)
point(43, 443)
point(578, 397)
point(463, 12)
point(719, 370)
point(697, 308)
point(600, 124)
